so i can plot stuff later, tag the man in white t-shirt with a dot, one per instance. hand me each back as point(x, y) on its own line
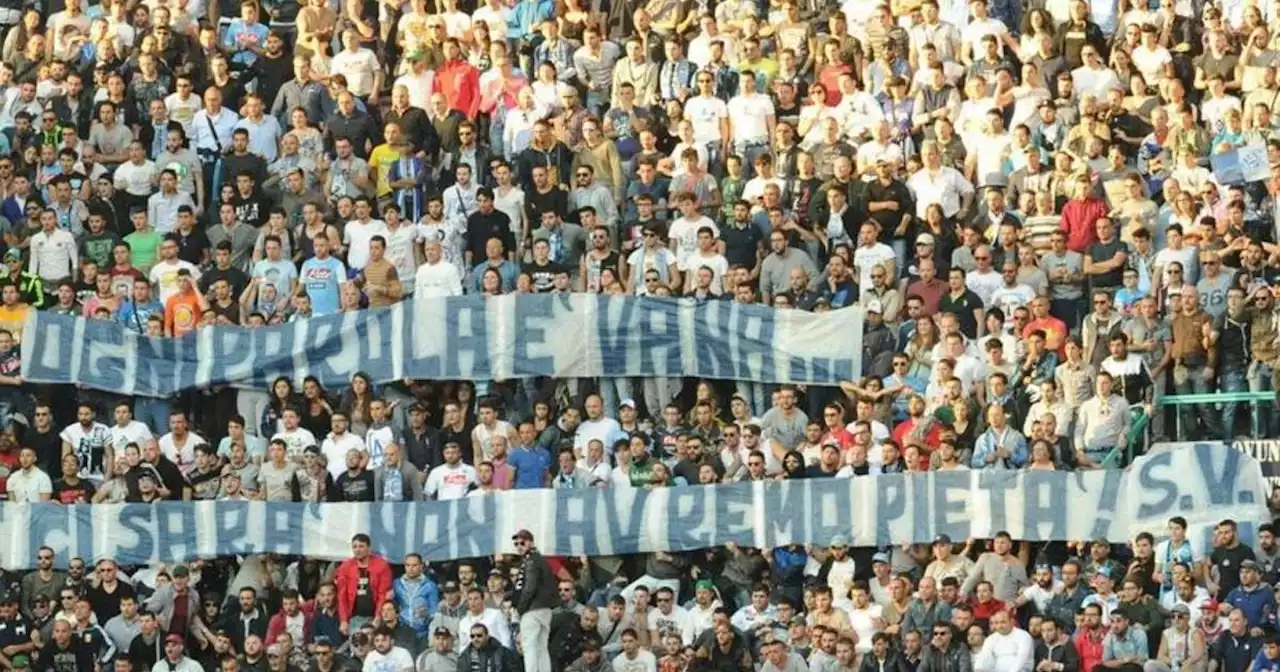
point(708, 114)
point(339, 442)
point(751, 122)
point(360, 66)
point(1152, 60)
point(683, 233)
point(494, 14)
point(452, 479)
point(866, 617)
point(359, 231)
point(707, 256)
point(981, 25)
point(869, 253)
point(179, 445)
point(29, 484)
point(880, 147)
point(127, 430)
point(385, 654)
point(296, 439)
point(183, 104)
point(90, 442)
point(753, 190)
point(164, 274)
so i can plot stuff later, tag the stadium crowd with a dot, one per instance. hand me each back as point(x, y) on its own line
point(1052, 213)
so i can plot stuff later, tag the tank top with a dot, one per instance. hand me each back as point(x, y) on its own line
point(306, 243)
point(501, 427)
point(596, 266)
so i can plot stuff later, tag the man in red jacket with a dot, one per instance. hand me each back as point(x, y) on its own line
point(459, 81)
point(363, 583)
point(1080, 216)
point(291, 619)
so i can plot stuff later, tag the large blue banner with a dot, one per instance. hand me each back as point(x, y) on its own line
point(461, 338)
point(1203, 483)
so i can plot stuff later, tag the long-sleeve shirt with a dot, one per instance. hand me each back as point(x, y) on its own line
point(1079, 220)
point(1133, 643)
point(95, 639)
point(595, 71)
point(1188, 340)
point(162, 209)
point(418, 601)
point(643, 76)
point(439, 279)
point(775, 271)
point(54, 255)
point(560, 54)
point(1007, 579)
point(992, 440)
point(1013, 652)
point(1102, 423)
point(459, 81)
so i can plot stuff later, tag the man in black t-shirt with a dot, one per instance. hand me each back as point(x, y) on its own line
point(64, 654)
point(1228, 553)
point(14, 630)
point(1105, 259)
point(44, 440)
point(206, 477)
point(542, 271)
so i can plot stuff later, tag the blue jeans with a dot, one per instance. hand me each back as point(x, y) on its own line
point(749, 154)
point(1234, 380)
point(1262, 379)
point(497, 122)
point(900, 248)
point(154, 413)
point(597, 102)
point(12, 400)
point(757, 395)
point(1070, 311)
point(612, 392)
point(1197, 384)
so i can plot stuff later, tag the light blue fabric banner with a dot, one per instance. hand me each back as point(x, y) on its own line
point(461, 338)
point(1203, 483)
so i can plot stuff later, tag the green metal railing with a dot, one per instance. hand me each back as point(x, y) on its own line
point(1251, 398)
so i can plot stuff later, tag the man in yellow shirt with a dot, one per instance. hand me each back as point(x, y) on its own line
point(385, 156)
point(765, 68)
point(13, 310)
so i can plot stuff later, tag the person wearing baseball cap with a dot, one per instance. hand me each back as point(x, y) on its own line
point(175, 657)
point(946, 562)
point(536, 595)
point(1252, 596)
point(441, 655)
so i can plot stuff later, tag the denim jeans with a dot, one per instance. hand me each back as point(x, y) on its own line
point(597, 102)
point(497, 123)
point(749, 153)
point(12, 400)
point(1196, 383)
point(658, 392)
point(900, 249)
point(1158, 412)
point(757, 396)
point(1262, 379)
point(154, 413)
point(612, 392)
point(1069, 311)
point(252, 406)
point(1233, 380)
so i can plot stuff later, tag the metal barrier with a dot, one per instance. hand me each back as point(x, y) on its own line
point(1251, 398)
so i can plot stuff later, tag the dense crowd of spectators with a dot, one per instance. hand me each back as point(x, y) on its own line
point(1019, 196)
